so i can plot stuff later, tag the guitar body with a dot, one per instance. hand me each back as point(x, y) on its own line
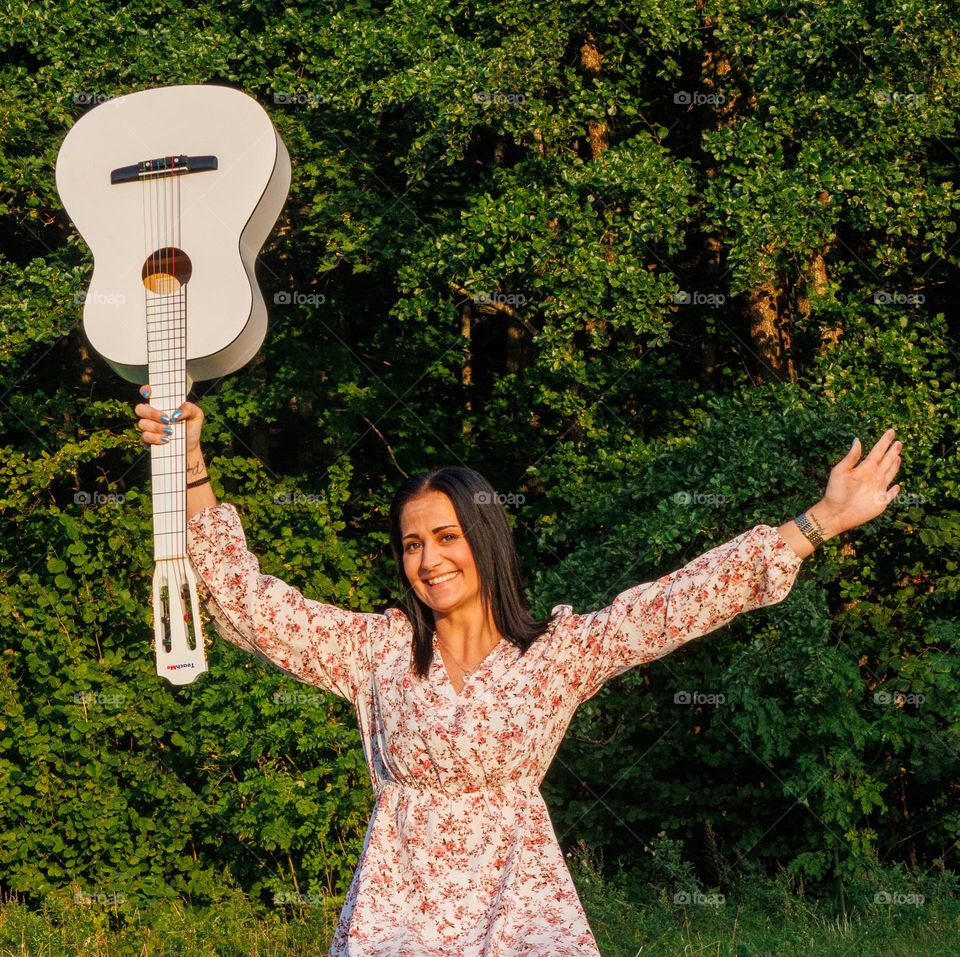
point(174, 190)
point(225, 216)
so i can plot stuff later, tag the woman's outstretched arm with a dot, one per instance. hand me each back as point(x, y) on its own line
point(753, 570)
point(855, 493)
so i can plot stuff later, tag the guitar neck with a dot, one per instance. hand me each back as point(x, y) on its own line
point(169, 384)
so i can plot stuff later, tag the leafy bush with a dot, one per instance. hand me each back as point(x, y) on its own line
point(603, 254)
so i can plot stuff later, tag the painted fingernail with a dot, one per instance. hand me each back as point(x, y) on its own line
point(176, 415)
point(144, 392)
point(165, 418)
point(166, 438)
point(168, 431)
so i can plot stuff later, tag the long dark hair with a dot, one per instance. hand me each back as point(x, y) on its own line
point(483, 519)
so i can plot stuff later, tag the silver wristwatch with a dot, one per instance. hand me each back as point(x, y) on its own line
point(812, 532)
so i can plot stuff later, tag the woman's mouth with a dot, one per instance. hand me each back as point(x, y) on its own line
point(441, 579)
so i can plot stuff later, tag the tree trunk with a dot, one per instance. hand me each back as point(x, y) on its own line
point(592, 61)
point(466, 375)
point(770, 336)
point(769, 328)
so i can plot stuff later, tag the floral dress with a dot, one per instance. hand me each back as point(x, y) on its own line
point(460, 858)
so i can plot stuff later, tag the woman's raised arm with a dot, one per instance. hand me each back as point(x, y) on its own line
point(753, 570)
point(313, 642)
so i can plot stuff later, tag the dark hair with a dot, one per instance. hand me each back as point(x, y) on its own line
point(484, 522)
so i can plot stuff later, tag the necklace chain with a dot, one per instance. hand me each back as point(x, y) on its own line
point(466, 674)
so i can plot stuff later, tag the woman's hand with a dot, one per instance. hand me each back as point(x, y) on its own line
point(153, 429)
point(858, 493)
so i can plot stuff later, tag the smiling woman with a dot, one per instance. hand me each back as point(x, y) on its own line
point(460, 856)
point(460, 579)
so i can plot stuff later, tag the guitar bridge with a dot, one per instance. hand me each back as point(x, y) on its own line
point(164, 166)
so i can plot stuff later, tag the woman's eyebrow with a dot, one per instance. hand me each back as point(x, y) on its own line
point(437, 529)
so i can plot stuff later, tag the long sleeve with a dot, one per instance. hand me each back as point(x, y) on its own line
point(647, 621)
point(313, 642)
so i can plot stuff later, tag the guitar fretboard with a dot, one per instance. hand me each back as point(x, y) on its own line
point(166, 362)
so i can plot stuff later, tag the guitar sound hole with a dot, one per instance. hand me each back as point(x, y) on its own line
point(166, 271)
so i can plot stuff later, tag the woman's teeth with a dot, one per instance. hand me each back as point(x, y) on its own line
point(443, 578)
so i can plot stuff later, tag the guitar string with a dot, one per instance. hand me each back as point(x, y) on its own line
point(180, 455)
point(165, 312)
point(150, 233)
point(158, 352)
point(176, 329)
point(181, 319)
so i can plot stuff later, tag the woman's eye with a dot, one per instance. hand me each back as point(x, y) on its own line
point(448, 535)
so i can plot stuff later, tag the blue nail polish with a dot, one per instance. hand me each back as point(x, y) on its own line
point(166, 438)
point(165, 418)
point(144, 392)
point(168, 431)
point(177, 414)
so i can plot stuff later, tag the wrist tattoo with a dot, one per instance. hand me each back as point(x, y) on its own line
point(196, 468)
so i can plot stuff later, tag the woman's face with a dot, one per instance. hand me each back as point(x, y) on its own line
point(434, 546)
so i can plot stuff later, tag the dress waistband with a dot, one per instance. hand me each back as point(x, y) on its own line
point(523, 786)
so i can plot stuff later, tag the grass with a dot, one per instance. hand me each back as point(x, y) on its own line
point(762, 918)
point(771, 918)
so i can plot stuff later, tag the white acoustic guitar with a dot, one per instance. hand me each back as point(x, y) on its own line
point(175, 191)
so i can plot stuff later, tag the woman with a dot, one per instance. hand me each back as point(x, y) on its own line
point(463, 698)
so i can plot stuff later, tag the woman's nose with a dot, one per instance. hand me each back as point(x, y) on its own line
point(429, 558)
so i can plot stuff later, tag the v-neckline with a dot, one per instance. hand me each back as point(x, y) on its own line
point(438, 655)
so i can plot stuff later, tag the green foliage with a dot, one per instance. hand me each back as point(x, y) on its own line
point(838, 724)
point(605, 254)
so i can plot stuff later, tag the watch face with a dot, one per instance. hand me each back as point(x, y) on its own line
point(813, 534)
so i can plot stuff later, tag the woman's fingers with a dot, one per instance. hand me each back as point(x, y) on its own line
point(893, 466)
point(153, 429)
point(156, 426)
point(881, 448)
point(147, 412)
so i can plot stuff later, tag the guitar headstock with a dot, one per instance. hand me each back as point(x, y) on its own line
point(178, 634)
